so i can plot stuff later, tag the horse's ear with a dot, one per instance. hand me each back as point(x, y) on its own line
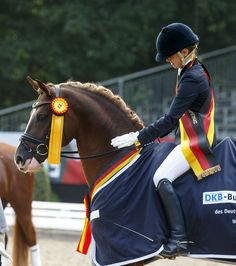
point(33, 83)
point(39, 85)
point(44, 87)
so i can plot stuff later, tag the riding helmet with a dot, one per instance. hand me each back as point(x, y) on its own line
point(173, 38)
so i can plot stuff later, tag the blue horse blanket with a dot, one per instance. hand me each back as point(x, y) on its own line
point(128, 222)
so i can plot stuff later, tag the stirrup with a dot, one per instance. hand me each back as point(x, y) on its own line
point(4, 253)
point(175, 248)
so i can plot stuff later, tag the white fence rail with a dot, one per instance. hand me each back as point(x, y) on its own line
point(53, 215)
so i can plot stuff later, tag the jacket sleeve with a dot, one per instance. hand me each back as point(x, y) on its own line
point(187, 93)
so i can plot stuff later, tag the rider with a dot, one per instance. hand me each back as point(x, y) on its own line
point(193, 110)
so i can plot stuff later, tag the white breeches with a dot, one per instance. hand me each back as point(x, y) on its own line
point(172, 167)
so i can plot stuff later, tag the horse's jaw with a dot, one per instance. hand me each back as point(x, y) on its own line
point(30, 165)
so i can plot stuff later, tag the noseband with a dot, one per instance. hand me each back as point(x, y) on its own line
point(41, 148)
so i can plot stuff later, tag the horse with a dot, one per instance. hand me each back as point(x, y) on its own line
point(16, 188)
point(119, 179)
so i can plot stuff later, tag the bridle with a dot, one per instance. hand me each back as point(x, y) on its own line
point(42, 148)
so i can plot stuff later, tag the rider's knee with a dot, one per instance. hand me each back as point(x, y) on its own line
point(157, 179)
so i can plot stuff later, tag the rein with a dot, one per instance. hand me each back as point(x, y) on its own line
point(87, 157)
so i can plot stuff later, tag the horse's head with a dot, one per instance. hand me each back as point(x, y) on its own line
point(94, 117)
point(33, 147)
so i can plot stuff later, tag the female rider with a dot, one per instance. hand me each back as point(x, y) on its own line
point(193, 110)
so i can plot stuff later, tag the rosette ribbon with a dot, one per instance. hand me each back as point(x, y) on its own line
point(59, 107)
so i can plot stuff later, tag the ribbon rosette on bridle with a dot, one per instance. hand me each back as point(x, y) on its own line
point(59, 107)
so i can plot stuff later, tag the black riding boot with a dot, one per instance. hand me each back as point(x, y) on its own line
point(177, 244)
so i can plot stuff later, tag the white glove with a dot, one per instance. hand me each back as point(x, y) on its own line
point(125, 140)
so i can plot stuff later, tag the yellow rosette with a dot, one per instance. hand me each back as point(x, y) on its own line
point(59, 107)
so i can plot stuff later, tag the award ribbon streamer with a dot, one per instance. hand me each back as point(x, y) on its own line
point(59, 107)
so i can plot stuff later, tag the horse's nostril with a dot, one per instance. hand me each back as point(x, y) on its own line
point(19, 160)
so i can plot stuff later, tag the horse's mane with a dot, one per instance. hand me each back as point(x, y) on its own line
point(110, 96)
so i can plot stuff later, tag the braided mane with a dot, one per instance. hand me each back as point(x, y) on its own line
point(110, 96)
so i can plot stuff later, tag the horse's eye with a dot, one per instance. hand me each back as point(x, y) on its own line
point(41, 117)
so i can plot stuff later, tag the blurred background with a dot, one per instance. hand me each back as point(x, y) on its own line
point(111, 43)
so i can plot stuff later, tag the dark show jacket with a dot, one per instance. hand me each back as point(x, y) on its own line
point(193, 90)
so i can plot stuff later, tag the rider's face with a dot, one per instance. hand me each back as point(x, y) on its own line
point(175, 61)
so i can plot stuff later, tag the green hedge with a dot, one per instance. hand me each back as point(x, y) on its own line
point(42, 188)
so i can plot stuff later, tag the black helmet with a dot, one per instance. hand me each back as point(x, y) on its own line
point(172, 39)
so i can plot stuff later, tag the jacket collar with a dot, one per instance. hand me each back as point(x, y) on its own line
point(188, 65)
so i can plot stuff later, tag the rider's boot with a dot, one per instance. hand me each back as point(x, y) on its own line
point(177, 244)
point(3, 251)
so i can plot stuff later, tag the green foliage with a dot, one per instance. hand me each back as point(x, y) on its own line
point(42, 189)
point(96, 40)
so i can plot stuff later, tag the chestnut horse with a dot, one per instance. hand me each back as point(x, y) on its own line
point(16, 188)
point(94, 117)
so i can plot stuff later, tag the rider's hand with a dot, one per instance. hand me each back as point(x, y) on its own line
point(125, 140)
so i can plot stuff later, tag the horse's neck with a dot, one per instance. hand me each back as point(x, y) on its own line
point(96, 128)
point(97, 142)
